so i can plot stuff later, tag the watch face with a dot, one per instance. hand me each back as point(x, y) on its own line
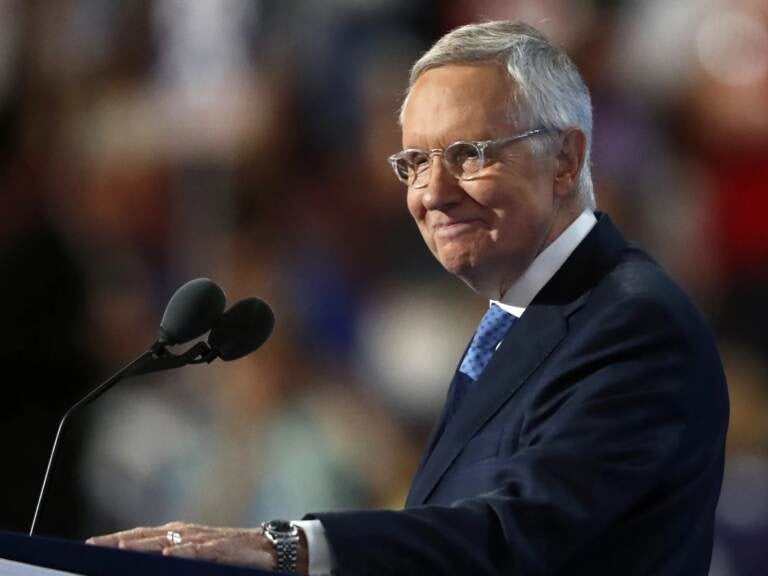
point(279, 527)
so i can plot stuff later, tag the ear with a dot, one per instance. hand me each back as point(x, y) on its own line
point(569, 160)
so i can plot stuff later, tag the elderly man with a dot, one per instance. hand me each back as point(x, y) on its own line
point(585, 424)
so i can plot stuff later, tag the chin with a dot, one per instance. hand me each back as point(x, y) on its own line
point(488, 277)
point(461, 265)
point(453, 260)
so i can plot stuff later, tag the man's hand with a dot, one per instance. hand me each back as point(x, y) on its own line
point(239, 546)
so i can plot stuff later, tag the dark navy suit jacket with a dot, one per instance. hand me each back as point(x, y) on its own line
point(592, 443)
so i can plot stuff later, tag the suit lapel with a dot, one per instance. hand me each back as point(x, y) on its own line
point(526, 346)
point(436, 433)
point(529, 342)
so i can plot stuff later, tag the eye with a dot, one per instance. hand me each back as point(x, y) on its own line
point(401, 166)
point(416, 160)
point(463, 157)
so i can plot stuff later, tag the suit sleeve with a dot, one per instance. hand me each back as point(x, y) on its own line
point(627, 421)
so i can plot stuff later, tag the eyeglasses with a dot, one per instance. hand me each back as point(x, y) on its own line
point(464, 159)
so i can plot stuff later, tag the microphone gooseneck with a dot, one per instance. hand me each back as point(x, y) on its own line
point(191, 312)
point(87, 399)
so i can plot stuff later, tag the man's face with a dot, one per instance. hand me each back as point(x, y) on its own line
point(488, 230)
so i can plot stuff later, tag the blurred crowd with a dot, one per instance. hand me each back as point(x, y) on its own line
point(147, 142)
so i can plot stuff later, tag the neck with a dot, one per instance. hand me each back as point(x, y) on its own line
point(493, 284)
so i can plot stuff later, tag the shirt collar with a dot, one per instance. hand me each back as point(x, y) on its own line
point(544, 266)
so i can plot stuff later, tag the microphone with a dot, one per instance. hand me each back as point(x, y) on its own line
point(191, 312)
point(242, 329)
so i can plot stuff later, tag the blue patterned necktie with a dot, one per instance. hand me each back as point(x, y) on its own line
point(489, 333)
point(492, 329)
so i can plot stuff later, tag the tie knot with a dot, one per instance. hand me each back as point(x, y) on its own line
point(492, 328)
point(494, 325)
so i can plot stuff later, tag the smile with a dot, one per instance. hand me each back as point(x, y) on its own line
point(452, 229)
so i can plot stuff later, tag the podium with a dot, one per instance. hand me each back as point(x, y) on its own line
point(87, 560)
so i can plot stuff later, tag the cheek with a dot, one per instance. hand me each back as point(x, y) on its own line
point(419, 214)
point(415, 206)
point(515, 203)
point(520, 231)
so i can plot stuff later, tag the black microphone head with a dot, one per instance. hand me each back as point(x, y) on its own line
point(192, 311)
point(243, 328)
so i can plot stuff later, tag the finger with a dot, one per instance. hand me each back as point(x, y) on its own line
point(142, 533)
point(214, 534)
point(178, 526)
point(200, 534)
point(153, 544)
point(125, 535)
point(243, 551)
point(182, 550)
point(203, 537)
point(190, 530)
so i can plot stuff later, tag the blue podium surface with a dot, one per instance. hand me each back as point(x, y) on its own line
point(80, 558)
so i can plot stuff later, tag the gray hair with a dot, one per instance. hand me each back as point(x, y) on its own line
point(549, 91)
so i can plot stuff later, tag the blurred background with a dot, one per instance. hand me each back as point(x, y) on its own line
point(144, 143)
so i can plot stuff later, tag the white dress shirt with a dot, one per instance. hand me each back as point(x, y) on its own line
point(546, 264)
point(514, 301)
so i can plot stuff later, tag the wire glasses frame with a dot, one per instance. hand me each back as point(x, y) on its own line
point(464, 159)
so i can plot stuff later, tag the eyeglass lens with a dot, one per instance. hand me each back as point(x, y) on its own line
point(461, 158)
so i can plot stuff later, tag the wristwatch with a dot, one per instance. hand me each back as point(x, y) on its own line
point(285, 536)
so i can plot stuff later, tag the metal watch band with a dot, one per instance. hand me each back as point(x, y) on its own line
point(286, 553)
point(285, 537)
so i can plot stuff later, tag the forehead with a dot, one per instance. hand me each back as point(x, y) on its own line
point(458, 102)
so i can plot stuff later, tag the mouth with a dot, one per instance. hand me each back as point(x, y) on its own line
point(453, 228)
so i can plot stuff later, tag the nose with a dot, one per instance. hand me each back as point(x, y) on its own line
point(443, 189)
